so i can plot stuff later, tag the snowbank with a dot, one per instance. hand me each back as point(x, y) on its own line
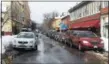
point(6, 41)
point(105, 43)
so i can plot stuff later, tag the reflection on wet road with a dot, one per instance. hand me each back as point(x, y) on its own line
point(50, 51)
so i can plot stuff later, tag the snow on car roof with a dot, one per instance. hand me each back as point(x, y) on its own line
point(27, 32)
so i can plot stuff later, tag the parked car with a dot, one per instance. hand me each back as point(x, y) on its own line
point(56, 36)
point(85, 40)
point(26, 30)
point(64, 38)
point(26, 40)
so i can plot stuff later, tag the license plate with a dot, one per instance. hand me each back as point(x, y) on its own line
point(22, 46)
point(95, 46)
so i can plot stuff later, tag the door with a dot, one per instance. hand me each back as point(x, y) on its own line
point(75, 38)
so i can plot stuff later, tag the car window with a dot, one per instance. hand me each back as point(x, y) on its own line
point(86, 34)
point(25, 35)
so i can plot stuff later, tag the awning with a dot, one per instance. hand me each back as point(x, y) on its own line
point(76, 25)
point(87, 24)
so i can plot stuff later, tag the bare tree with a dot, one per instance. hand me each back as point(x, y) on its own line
point(48, 18)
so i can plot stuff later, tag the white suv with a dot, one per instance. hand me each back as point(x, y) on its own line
point(26, 40)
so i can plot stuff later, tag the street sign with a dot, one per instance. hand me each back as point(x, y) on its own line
point(63, 26)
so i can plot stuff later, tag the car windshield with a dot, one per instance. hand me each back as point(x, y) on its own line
point(25, 35)
point(87, 34)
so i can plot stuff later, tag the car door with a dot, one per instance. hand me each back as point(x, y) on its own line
point(75, 38)
point(67, 35)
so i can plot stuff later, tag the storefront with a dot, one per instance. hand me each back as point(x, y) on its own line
point(92, 25)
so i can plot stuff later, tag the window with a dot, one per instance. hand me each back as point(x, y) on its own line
point(90, 9)
point(98, 6)
point(25, 35)
point(105, 4)
point(105, 32)
point(93, 7)
point(105, 28)
point(83, 11)
point(87, 11)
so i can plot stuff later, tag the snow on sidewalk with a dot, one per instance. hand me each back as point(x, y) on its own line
point(103, 58)
point(6, 41)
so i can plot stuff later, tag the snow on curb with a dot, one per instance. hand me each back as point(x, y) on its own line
point(6, 42)
point(102, 57)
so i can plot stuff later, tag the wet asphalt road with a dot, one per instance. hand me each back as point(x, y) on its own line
point(50, 52)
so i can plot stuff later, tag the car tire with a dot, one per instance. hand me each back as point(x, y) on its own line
point(35, 48)
point(101, 50)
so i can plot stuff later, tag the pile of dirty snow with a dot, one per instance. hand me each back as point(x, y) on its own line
point(102, 57)
point(6, 41)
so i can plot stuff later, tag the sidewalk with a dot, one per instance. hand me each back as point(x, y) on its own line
point(6, 41)
point(5, 46)
point(102, 58)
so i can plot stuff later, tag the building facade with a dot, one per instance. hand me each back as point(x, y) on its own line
point(105, 23)
point(86, 15)
point(56, 23)
point(17, 15)
point(66, 20)
point(93, 16)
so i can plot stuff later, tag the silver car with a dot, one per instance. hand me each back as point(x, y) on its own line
point(26, 40)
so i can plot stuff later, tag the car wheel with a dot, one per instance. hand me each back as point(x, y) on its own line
point(35, 47)
point(101, 50)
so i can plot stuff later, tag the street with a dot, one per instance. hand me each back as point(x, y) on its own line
point(50, 51)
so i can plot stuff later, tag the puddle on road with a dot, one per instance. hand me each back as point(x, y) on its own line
point(41, 49)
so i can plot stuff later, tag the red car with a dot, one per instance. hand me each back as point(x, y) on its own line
point(85, 40)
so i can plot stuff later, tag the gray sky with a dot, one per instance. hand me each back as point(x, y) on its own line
point(39, 8)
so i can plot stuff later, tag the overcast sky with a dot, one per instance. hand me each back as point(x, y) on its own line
point(39, 8)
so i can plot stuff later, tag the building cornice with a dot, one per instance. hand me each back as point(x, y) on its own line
point(78, 6)
point(91, 17)
point(105, 11)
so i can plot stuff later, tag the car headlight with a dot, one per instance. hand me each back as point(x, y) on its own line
point(31, 41)
point(85, 42)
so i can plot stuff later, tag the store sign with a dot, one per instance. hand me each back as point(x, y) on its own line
point(63, 26)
